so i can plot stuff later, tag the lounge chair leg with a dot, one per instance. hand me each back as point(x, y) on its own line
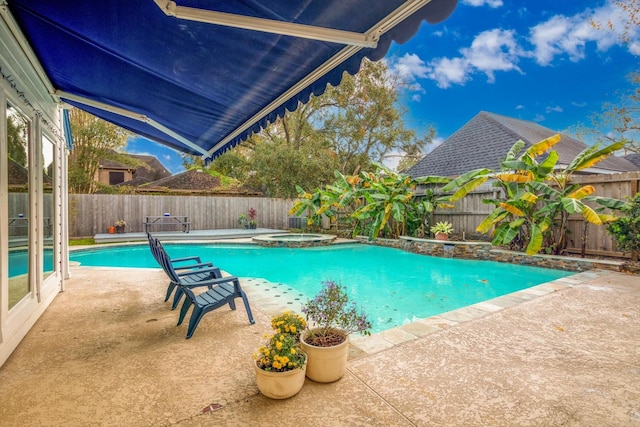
point(194, 321)
point(232, 304)
point(246, 306)
point(170, 290)
point(176, 298)
point(184, 309)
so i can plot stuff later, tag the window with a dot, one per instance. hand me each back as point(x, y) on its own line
point(116, 178)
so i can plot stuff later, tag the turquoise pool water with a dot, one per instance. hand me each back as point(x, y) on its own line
point(19, 262)
point(394, 287)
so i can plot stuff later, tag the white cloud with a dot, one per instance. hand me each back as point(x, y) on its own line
point(554, 109)
point(477, 3)
point(490, 51)
point(502, 50)
point(562, 35)
point(493, 50)
point(446, 71)
point(539, 118)
point(438, 140)
point(410, 68)
point(578, 104)
point(520, 107)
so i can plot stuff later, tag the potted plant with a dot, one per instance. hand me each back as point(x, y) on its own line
point(120, 225)
point(442, 230)
point(243, 221)
point(327, 343)
point(252, 218)
point(289, 323)
point(280, 365)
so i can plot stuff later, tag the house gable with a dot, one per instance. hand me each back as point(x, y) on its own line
point(484, 141)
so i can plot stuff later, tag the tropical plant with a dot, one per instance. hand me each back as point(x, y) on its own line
point(538, 200)
point(243, 220)
point(252, 215)
point(331, 317)
point(626, 229)
point(442, 227)
point(381, 202)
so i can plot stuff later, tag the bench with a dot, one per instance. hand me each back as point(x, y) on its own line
point(166, 220)
point(23, 223)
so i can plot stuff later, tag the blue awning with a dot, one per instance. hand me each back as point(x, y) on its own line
point(201, 75)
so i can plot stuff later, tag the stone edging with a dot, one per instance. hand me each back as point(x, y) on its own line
point(486, 252)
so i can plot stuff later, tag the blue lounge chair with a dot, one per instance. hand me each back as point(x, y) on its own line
point(220, 291)
point(206, 269)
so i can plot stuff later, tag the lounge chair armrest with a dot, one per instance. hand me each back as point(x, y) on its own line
point(211, 282)
point(187, 258)
point(199, 271)
point(199, 267)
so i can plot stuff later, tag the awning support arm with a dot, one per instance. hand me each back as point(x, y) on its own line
point(268, 25)
point(135, 116)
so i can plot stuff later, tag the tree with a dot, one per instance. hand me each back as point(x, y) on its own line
point(347, 128)
point(617, 122)
point(94, 139)
point(17, 128)
point(366, 124)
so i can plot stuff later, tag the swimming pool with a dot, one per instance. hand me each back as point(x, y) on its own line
point(393, 286)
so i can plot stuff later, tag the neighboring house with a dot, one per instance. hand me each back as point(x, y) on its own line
point(634, 158)
point(194, 181)
point(113, 173)
point(484, 141)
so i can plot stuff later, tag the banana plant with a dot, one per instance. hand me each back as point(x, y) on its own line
point(373, 202)
point(538, 198)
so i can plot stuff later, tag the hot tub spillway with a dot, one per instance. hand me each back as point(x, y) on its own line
point(294, 240)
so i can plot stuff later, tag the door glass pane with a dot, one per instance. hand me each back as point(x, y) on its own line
point(18, 179)
point(48, 207)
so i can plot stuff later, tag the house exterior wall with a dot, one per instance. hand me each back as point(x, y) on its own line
point(36, 214)
point(103, 175)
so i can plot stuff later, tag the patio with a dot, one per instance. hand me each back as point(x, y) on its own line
point(107, 352)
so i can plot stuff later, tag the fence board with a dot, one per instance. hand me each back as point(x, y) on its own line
point(91, 214)
point(470, 211)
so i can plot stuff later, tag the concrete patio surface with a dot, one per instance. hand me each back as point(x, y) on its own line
point(107, 352)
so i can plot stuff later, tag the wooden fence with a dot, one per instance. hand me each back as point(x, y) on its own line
point(470, 211)
point(91, 214)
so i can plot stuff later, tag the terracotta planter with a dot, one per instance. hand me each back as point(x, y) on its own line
point(442, 236)
point(325, 364)
point(279, 385)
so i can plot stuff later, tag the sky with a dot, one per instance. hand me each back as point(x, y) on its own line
point(540, 61)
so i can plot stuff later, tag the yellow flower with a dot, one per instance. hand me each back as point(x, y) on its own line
point(293, 351)
point(293, 329)
point(279, 345)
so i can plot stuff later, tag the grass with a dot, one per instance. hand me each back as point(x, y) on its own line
point(79, 242)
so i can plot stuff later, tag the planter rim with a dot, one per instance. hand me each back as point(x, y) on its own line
point(308, 332)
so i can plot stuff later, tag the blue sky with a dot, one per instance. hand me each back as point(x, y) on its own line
point(540, 60)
